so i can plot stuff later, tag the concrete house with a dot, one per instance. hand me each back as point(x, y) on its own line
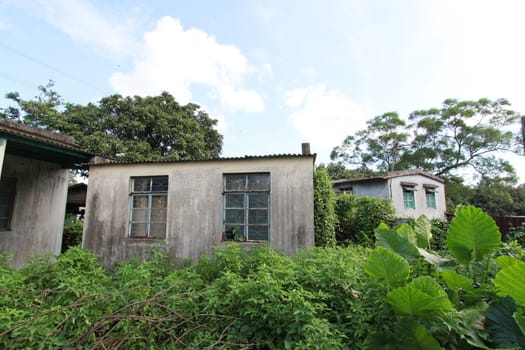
point(34, 172)
point(188, 207)
point(412, 192)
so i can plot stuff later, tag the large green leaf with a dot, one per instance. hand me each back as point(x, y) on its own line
point(422, 297)
point(410, 335)
point(502, 326)
point(504, 261)
point(511, 281)
point(394, 241)
point(423, 229)
point(386, 267)
point(456, 281)
point(472, 235)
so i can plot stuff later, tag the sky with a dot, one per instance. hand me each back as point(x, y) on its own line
point(274, 73)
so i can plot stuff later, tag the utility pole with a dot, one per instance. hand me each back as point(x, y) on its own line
point(523, 132)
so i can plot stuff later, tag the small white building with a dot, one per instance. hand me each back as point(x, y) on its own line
point(413, 192)
point(188, 207)
point(34, 168)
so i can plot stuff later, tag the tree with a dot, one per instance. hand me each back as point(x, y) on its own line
point(128, 128)
point(380, 145)
point(442, 140)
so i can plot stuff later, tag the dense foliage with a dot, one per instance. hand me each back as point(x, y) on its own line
point(72, 234)
point(237, 299)
point(324, 212)
point(472, 297)
point(130, 128)
point(440, 141)
point(358, 216)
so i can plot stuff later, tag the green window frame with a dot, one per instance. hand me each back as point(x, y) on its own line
point(148, 207)
point(7, 203)
point(409, 198)
point(430, 196)
point(246, 207)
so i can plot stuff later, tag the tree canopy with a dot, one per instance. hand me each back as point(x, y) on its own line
point(128, 128)
point(440, 141)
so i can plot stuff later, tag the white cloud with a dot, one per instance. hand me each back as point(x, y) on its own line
point(174, 59)
point(84, 23)
point(324, 116)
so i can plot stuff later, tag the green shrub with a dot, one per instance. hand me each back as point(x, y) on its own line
point(324, 214)
point(236, 298)
point(72, 235)
point(439, 234)
point(359, 216)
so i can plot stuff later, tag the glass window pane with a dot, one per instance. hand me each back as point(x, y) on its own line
point(258, 216)
point(408, 198)
point(159, 184)
point(159, 201)
point(234, 200)
point(141, 184)
point(139, 215)
point(233, 231)
point(258, 200)
point(138, 230)
point(431, 200)
point(234, 216)
point(258, 233)
point(235, 182)
point(157, 230)
point(158, 215)
point(140, 201)
point(259, 182)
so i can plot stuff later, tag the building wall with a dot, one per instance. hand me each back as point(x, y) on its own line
point(194, 223)
point(378, 189)
point(420, 199)
point(38, 215)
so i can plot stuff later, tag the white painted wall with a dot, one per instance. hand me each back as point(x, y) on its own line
point(40, 203)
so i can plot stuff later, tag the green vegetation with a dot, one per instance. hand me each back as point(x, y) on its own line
point(236, 299)
point(472, 298)
point(401, 295)
point(325, 218)
point(358, 217)
point(72, 235)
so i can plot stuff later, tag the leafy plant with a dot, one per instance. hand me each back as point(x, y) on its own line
point(324, 214)
point(472, 286)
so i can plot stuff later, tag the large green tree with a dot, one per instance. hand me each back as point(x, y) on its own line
point(458, 135)
point(128, 128)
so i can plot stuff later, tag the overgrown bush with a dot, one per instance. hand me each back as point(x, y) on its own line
point(358, 217)
point(324, 214)
point(439, 234)
point(234, 299)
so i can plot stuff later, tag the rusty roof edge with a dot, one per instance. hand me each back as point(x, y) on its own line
point(99, 161)
point(41, 136)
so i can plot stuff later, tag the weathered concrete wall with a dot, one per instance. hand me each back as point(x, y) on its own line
point(421, 204)
point(194, 223)
point(38, 215)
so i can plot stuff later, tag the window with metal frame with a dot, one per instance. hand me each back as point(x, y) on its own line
point(148, 207)
point(430, 195)
point(7, 202)
point(246, 203)
point(409, 198)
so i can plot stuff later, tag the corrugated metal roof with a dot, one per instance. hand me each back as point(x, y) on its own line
point(97, 161)
point(390, 175)
point(41, 136)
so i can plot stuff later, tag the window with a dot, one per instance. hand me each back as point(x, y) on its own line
point(7, 201)
point(246, 202)
point(430, 195)
point(148, 207)
point(409, 197)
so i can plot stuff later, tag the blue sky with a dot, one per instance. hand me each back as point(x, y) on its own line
point(274, 73)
